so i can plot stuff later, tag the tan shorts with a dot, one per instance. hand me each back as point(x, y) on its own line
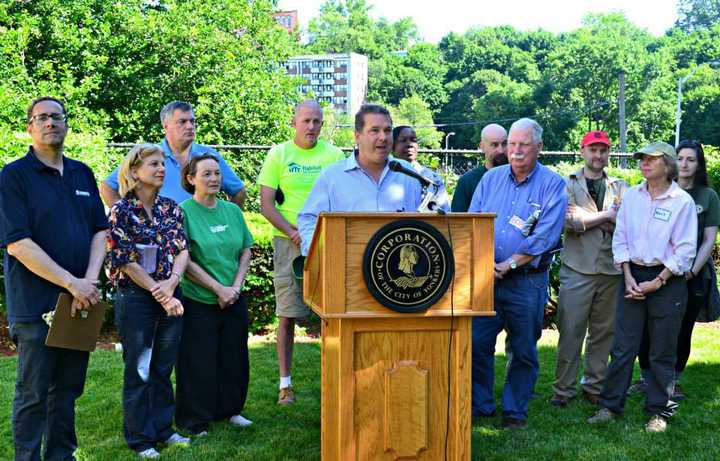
point(288, 292)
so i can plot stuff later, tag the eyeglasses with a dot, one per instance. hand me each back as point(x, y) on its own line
point(42, 118)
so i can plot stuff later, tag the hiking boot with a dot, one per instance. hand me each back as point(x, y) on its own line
point(560, 401)
point(656, 425)
point(593, 399)
point(286, 396)
point(638, 387)
point(602, 416)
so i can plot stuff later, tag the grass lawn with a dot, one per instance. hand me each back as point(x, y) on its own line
point(293, 433)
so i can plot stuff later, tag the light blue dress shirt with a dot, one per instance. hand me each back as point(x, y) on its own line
point(541, 198)
point(344, 186)
point(172, 187)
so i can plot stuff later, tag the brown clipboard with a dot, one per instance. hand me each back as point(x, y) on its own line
point(77, 333)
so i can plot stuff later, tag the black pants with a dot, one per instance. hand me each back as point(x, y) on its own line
point(213, 368)
point(698, 295)
point(661, 314)
point(49, 381)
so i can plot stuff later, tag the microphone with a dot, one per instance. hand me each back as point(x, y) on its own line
point(394, 165)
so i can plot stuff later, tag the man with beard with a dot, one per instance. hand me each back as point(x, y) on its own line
point(53, 225)
point(291, 167)
point(588, 277)
point(179, 124)
point(529, 201)
point(493, 143)
point(405, 147)
point(363, 181)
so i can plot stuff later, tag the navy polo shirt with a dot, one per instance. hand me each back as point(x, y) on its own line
point(60, 213)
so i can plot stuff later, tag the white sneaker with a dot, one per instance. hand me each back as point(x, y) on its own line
point(177, 439)
point(150, 453)
point(201, 434)
point(239, 421)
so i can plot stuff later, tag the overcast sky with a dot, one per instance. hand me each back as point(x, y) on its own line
point(436, 18)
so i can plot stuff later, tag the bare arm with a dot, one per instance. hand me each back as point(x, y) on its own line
point(226, 295)
point(109, 195)
point(239, 198)
point(97, 255)
point(271, 213)
point(139, 276)
point(39, 263)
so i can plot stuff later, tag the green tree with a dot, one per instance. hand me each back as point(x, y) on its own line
point(415, 112)
point(117, 63)
point(697, 14)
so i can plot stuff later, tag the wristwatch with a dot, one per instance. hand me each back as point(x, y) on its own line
point(512, 263)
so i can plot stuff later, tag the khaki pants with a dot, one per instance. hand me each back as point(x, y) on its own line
point(288, 293)
point(587, 304)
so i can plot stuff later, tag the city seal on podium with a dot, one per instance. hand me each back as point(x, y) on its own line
point(408, 265)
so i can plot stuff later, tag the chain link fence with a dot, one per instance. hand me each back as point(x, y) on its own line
point(246, 161)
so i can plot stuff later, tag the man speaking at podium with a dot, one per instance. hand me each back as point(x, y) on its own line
point(530, 202)
point(364, 181)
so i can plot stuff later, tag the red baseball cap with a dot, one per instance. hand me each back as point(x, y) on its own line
point(595, 137)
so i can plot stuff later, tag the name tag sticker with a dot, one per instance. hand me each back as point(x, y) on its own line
point(517, 222)
point(662, 214)
point(82, 193)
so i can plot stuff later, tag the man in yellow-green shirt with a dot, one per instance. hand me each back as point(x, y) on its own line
point(286, 178)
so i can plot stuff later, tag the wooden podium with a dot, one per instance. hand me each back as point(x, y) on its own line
point(389, 378)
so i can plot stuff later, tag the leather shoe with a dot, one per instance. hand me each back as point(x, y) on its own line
point(513, 423)
point(591, 398)
point(560, 401)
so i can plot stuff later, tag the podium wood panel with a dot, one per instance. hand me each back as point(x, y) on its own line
point(364, 417)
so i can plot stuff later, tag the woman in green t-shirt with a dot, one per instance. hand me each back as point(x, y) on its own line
point(213, 365)
point(693, 178)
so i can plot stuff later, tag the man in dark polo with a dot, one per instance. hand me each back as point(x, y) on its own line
point(52, 224)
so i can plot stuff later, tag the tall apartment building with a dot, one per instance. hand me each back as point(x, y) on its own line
point(339, 79)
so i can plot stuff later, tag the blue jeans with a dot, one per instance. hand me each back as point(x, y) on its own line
point(519, 306)
point(150, 342)
point(48, 382)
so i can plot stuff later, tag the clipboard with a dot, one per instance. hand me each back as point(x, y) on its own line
point(77, 333)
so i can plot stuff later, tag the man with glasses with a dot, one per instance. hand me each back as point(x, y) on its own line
point(178, 122)
point(52, 224)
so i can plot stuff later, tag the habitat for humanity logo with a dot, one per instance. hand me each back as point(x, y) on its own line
point(303, 169)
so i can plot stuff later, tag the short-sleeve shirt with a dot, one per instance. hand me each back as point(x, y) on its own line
point(217, 236)
point(294, 171)
point(466, 188)
point(172, 187)
point(130, 225)
point(60, 213)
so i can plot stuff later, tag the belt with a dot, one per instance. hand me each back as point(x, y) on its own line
point(530, 270)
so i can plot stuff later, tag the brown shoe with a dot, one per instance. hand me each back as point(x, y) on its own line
point(591, 398)
point(560, 401)
point(513, 423)
point(286, 396)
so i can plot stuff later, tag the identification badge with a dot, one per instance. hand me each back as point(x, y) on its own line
point(517, 222)
point(662, 214)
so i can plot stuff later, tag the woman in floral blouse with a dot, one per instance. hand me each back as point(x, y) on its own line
point(147, 249)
